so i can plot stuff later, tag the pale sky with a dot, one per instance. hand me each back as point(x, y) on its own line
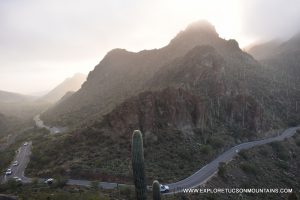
point(44, 41)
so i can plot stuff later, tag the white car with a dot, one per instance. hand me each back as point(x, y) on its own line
point(8, 172)
point(164, 188)
point(15, 163)
point(17, 179)
point(49, 181)
point(26, 143)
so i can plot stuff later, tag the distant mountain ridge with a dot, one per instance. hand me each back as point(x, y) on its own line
point(264, 50)
point(11, 97)
point(71, 84)
point(19, 106)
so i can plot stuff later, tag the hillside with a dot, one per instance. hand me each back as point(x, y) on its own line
point(282, 58)
point(264, 50)
point(287, 59)
point(122, 74)
point(10, 97)
point(20, 106)
point(71, 84)
point(275, 165)
point(3, 124)
point(8, 125)
point(190, 109)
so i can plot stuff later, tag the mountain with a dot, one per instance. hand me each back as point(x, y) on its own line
point(8, 125)
point(287, 57)
point(265, 50)
point(20, 106)
point(10, 97)
point(122, 74)
point(71, 84)
point(3, 125)
point(192, 99)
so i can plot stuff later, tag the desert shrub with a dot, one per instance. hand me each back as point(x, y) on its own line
point(298, 142)
point(206, 149)
point(60, 182)
point(277, 146)
point(216, 142)
point(249, 168)
point(222, 169)
point(292, 122)
point(263, 151)
point(127, 192)
point(244, 154)
point(282, 164)
point(280, 150)
point(95, 185)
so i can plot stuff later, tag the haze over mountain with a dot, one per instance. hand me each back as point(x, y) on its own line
point(283, 58)
point(19, 106)
point(71, 84)
point(200, 94)
point(265, 50)
point(121, 73)
point(189, 105)
point(10, 97)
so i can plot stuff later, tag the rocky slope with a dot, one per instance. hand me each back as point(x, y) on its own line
point(282, 66)
point(8, 125)
point(190, 100)
point(122, 74)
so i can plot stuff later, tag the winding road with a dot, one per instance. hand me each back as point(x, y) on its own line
point(209, 170)
point(195, 180)
point(53, 130)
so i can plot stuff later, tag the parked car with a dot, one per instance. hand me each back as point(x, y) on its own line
point(26, 143)
point(164, 188)
point(8, 172)
point(17, 179)
point(49, 181)
point(15, 163)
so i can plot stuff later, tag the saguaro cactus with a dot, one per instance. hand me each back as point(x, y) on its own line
point(156, 190)
point(137, 159)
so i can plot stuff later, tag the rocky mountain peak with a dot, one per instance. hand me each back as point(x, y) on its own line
point(201, 26)
point(197, 31)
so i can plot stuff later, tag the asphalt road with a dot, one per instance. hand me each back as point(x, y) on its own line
point(53, 130)
point(209, 170)
point(195, 180)
point(22, 156)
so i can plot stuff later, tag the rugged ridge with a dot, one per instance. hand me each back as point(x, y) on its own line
point(192, 99)
point(121, 74)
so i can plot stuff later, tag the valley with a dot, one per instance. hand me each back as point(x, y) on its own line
point(210, 114)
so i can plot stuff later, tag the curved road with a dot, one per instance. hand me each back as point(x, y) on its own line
point(206, 172)
point(53, 130)
point(195, 180)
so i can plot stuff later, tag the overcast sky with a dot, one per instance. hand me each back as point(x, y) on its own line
point(43, 42)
